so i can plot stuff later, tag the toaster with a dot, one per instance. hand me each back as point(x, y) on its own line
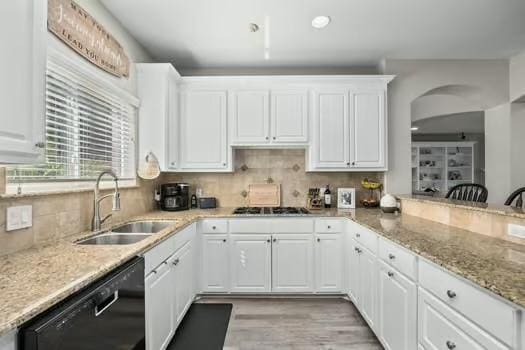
point(207, 202)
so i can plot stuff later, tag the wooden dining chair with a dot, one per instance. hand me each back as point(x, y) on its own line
point(516, 197)
point(468, 192)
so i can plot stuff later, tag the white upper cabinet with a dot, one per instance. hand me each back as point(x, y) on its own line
point(158, 113)
point(367, 127)
point(251, 122)
point(349, 127)
point(330, 130)
point(261, 117)
point(289, 116)
point(340, 120)
point(204, 135)
point(22, 87)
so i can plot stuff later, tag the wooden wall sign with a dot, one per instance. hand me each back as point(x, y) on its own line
point(79, 30)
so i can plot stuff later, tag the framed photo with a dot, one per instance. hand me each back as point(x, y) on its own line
point(346, 198)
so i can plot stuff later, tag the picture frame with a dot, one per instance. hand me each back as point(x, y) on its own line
point(346, 198)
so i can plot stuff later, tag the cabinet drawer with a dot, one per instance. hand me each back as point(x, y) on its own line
point(328, 226)
point(158, 254)
point(290, 225)
point(364, 236)
point(493, 315)
point(214, 226)
point(184, 236)
point(398, 257)
point(251, 226)
point(442, 328)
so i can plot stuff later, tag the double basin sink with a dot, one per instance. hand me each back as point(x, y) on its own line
point(128, 233)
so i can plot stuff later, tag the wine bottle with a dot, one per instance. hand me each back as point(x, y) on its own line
point(327, 197)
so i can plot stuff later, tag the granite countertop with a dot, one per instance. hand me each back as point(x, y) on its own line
point(34, 280)
point(484, 207)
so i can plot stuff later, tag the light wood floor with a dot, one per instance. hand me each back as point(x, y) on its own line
point(296, 324)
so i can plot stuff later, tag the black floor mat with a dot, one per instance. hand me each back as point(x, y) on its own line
point(203, 328)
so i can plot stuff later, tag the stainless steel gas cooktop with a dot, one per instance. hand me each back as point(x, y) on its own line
point(271, 211)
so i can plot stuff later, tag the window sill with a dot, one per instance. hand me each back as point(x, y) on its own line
point(48, 189)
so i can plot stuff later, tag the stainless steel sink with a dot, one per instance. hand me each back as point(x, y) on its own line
point(114, 239)
point(128, 233)
point(143, 227)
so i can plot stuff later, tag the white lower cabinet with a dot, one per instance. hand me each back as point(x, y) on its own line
point(292, 263)
point(250, 263)
point(159, 295)
point(362, 282)
point(329, 262)
point(183, 281)
point(368, 286)
point(8, 341)
point(440, 327)
point(353, 272)
point(397, 309)
point(169, 286)
point(215, 267)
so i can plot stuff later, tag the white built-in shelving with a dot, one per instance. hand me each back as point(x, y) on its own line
point(441, 165)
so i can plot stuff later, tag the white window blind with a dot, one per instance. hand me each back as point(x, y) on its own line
point(89, 127)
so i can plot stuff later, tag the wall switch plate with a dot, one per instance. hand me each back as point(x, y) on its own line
point(516, 230)
point(19, 217)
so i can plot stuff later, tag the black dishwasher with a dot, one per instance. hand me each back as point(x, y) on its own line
point(108, 315)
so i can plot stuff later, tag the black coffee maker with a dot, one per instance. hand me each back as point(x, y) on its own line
point(175, 197)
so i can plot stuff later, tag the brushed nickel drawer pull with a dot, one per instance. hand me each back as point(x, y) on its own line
point(451, 345)
point(451, 294)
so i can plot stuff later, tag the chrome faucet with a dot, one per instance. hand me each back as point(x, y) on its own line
point(97, 221)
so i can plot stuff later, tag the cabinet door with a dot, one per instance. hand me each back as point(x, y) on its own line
point(329, 262)
point(250, 117)
point(204, 141)
point(159, 293)
point(215, 252)
point(23, 38)
point(250, 263)
point(183, 266)
point(331, 130)
point(368, 286)
point(353, 273)
point(368, 129)
point(158, 113)
point(397, 310)
point(292, 263)
point(289, 117)
point(173, 122)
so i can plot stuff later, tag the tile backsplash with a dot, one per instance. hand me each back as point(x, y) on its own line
point(59, 215)
point(282, 166)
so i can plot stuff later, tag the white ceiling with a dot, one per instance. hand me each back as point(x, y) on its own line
point(214, 33)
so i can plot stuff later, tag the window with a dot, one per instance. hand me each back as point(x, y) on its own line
point(90, 125)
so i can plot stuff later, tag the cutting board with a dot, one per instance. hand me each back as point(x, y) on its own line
point(264, 195)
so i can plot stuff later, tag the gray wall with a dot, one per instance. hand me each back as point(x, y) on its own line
point(415, 78)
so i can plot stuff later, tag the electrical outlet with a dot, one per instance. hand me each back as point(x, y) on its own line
point(26, 212)
point(516, 230)
point(19, 217)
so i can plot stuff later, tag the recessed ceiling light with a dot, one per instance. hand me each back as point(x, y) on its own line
point(320, 22)
point(414, 128)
